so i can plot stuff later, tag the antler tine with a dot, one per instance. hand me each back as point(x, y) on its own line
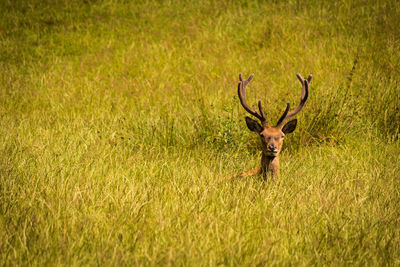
point(261, 110)
point(304, 96)
point(284, 114)
point(242, 97)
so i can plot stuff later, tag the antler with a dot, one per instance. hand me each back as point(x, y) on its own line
point(304, 95)
point(242, 97)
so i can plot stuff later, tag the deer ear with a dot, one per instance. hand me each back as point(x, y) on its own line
point(289, 127)
point(253, 125)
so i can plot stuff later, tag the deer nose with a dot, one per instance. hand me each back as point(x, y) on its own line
point(271, 147)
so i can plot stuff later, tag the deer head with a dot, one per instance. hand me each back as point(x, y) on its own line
point(272, 137)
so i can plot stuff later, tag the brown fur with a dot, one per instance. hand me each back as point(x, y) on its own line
point(270, 167)
point(272, 137)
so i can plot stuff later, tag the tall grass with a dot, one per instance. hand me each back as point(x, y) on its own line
point(118, 121)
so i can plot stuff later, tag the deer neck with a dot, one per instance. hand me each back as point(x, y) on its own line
point(270, 166)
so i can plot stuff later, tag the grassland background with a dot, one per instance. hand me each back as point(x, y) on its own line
point(118, 120)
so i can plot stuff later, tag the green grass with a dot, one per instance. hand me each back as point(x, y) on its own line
point(119, 121)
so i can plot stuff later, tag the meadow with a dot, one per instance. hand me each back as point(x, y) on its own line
point(120, 121)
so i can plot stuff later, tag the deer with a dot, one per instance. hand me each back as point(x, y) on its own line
point(272, 137)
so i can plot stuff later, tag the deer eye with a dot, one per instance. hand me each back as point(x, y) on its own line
point(282, 136)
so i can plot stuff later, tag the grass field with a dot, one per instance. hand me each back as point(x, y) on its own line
point(119, 121)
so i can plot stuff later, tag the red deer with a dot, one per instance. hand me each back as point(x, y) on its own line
point(271, 136)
